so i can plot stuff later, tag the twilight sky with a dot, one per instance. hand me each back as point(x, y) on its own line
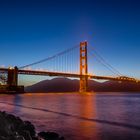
point(31, 30)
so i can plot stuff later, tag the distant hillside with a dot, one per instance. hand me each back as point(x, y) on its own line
point(68, 85)
point(54, 85)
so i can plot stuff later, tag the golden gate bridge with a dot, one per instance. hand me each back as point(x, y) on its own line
point(11, 81)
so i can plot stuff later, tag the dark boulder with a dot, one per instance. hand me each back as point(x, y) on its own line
point(27, 127)
point(13, 128)
point(50, 136)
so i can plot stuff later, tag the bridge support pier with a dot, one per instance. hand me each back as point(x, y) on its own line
point(83, 67)
point(12, 76)
point(12, 82)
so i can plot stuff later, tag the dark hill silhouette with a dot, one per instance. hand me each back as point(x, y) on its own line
point(121, 86)
point(54, 85)
point(68, 85)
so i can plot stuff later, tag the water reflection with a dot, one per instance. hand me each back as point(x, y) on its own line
point(87, 109)
point(78, 117)
point(6, 98)
point(17, 100)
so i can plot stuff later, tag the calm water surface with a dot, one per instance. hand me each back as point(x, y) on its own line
point(92, 116)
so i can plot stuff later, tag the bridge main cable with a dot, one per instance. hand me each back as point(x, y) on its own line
point(101, 60)
point(49, 58)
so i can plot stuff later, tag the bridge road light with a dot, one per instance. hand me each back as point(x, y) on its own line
point(89, 76)
point(10, 68)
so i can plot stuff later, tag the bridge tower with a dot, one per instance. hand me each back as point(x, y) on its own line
point(83, 67)
point(12, 76)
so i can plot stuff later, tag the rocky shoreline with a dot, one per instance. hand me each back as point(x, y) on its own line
point(14, 128)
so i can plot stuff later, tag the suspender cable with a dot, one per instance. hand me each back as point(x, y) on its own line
point(105, 63)
point(49, 58)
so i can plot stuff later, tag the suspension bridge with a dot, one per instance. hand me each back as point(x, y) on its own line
point(62, 64)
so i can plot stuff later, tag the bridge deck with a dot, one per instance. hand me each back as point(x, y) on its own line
point(74, 75)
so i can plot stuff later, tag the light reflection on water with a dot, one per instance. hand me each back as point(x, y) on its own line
point(89, 116)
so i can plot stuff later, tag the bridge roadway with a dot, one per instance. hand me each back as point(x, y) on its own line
point(74, 75)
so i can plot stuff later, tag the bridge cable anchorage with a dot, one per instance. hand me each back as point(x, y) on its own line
point(101, 60)
point(51, 57)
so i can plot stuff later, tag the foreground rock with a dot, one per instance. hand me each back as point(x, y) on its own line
point(13, 128)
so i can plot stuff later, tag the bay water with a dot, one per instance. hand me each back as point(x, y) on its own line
point(77, 116)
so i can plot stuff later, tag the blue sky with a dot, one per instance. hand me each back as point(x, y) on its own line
point(31, 30)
